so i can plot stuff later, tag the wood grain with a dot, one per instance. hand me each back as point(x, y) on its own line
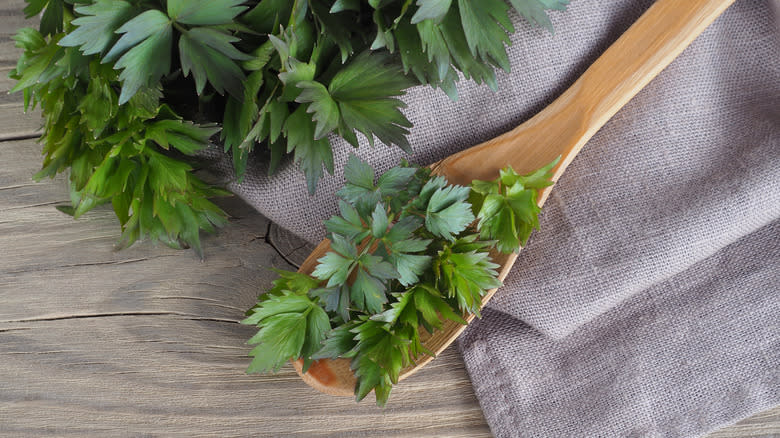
point(12, 19)
point(145, 342)
point(294, 249)
point(14, 124)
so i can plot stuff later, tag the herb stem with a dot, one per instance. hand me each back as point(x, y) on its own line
point(293, 18)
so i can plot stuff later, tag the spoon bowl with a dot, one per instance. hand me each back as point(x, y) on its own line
point(560, 130)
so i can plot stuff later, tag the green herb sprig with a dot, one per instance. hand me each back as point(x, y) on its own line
point(123, 155)
point(278, 76)
point(404, 257)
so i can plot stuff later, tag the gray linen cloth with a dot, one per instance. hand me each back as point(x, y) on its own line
point(647, 304)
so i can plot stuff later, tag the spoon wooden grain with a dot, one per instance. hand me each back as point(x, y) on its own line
point(561, 129)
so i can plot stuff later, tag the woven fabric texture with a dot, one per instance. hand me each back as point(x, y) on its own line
point(646, 304)
point(690, 354)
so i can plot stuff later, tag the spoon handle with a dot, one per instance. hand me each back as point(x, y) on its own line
point(562, 128)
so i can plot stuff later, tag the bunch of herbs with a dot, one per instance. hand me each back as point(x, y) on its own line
point(404, 257)
point(132, 90)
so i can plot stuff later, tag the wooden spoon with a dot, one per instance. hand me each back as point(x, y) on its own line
point(561, 129)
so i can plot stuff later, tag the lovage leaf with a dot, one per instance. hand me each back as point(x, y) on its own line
point(322, 107)
point(431, 10)
point(394, 181)
point(317, 328)
point(289, 281)
point(333, 267)
point(267, 15)
point(361, 190)
point(533, 10)
point(371, 377)
point(280, 339)
point(187, 137)
point(38, 64)
point(467, 273)
point(335, 299)
point(348, 225)
point(359, 173)
point(336, 26)
point(474, 68)
point(368, 292)
point(448, 212)
point(283, 330)
point(312, 154)
point(401, 249)
point(345, 5)
point(285, 302)
point(240, 114)
point(205, 12)
point(100, 104)
point(381, 355)
point(393, 314)
point(291, 326)
point(295, 72)
point(404, 263)
point(364, 91)
point(166, 174)
point(146, 45)
point(379, 221)
point(209, 54)
point(338, 342)
point(485, 26)
point(507, 207)
point(537, 179)
point(433, 308)
point(94, 31)
point(52, 19)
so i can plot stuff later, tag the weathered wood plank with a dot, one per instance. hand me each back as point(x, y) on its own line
point(173, 375)
point(146, 340)
point(291, 247)
point(12, 19)
point(14, 121)
point(765, 424)
point(15, 124)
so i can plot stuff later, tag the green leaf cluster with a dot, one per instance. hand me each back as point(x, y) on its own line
point(403, 258)
point(281, 77)
point(292, 326)
point(143, 52)
point(507, 206)
point(125, 155)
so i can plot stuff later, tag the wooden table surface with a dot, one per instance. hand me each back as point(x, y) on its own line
point(145, 341)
